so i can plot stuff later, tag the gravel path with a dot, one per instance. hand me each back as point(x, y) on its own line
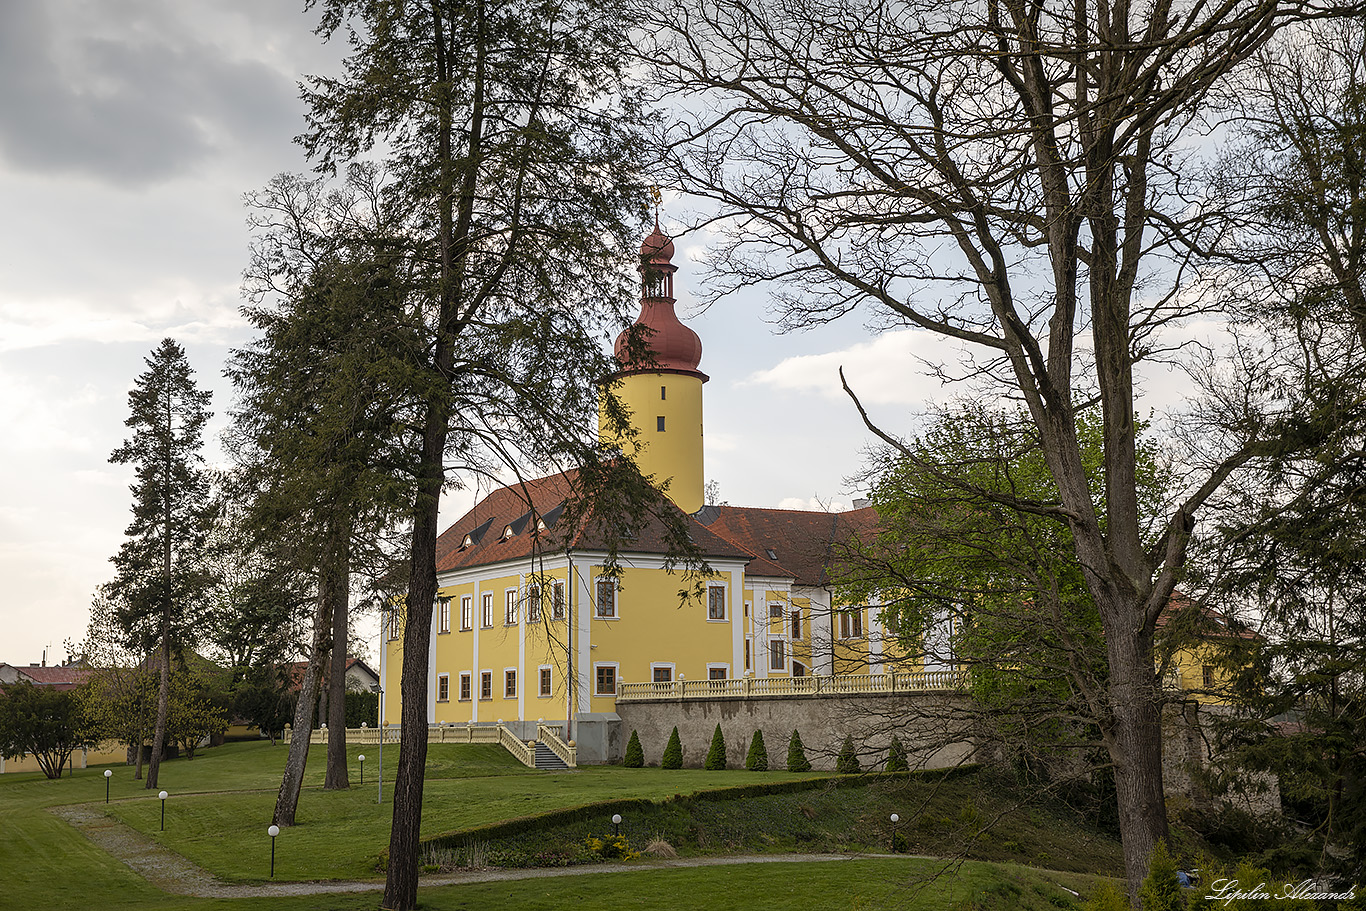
point(170, 872)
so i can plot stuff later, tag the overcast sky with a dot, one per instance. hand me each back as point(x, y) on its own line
point(129, 130)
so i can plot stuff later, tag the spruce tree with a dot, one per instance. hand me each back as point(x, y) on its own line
point(635, 756)
point(757, 758)
point(896, 756)
point(161, 571)
point(673, 752)
point(796, 754)
point(847, 761)
point(716, 754)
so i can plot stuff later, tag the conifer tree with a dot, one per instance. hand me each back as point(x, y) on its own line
point(796, 754)
point(847, 761)
point(896, 756)
point(635, 756)
point(161, 572)
point(716, 754)
point(757, 758)
point(673, 752)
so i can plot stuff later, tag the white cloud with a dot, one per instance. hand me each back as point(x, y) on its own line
point(892, 369)
point(819, 504)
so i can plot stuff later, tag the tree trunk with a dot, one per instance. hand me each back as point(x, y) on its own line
point(287, 801)
point(163, 704)
point(340, 588)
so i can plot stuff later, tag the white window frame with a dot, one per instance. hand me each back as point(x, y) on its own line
point(467, 612)
point(851, 623)
point(544, 691)
point(443, 682)
point(663, 666)
point(515, 682)
point(795, 624)
point(466, 693)
point(511, 614)
point(445, 604)
point(533, 602)
point(557, 600)
point(777, 648)
point(777, 610)
point(486, 675)
point(725, 603)
point(616, 677)
point(723, 668)
point(486, 610)
point(598, 586)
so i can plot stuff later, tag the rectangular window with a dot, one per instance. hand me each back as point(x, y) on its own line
point(659, 424)
point(607, 598)
point(509, 684)
point(716, 602)
point(445, 615)
point(718, 672)
point(796, 623)
point(851, 623)
point(486, 685)
point(557, 601)
point(662, 391)
point(486, 610)
point(747, 659)
point(466, 612)
point(510, 607)
point(465, 686)
point(775, 612)
point(662, 674)
point(533, 603)
point(545, 681)
point(1207, 676)
point(777, 655)
point(443, 688)
point(606, 679)
point(395, 624)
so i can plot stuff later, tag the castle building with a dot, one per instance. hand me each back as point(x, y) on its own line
point(529, 624)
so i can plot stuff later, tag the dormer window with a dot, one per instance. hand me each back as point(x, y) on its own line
point(468, 542)
point(768, 551)
point(508, 532)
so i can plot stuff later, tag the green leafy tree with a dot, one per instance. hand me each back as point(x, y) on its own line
point(635, 756)
point(896, 756)
point(512, 151)
point(756, 760)
point(46, 722)
point(796, 754)
point(716, 753)
point(162, 574)
point(196, 711)
point(673, 752)
point(262, 697)
point(846, 763)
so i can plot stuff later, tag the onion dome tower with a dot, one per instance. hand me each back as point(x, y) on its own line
point(660, 385)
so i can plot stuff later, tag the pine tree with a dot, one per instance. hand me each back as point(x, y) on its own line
point(796, 754)
point(635, 756)
point(673, 752)
point(757, 759)
point(716, 754)
point(161, 572)
point(896, 756)
point(1160, 891)
point(847, 761)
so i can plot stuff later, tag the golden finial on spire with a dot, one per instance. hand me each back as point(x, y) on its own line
point(659, 199)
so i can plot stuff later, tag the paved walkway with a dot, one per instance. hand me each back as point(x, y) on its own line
point(170, 872)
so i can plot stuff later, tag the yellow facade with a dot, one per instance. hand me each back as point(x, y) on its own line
point(666, 413)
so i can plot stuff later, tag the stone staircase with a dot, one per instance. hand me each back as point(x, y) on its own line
point(546, 759)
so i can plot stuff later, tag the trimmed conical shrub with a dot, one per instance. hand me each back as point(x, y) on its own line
point(673, 753)
point(716, 756)
point(635, 756)
point(757, 760)
point(896, 756)
point(796, 754)
point(847, 762)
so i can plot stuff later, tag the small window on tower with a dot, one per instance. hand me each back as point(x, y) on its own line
point(659, 423)
point(662, 391)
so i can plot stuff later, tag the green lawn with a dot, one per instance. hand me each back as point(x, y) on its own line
point(46, 863)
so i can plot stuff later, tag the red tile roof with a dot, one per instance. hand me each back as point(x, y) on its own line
point(789, 543)
point(61, 677)
point(505, 525)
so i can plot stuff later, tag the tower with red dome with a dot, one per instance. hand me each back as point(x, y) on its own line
point(660, 385)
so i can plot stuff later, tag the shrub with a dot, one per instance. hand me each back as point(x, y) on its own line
point(896, 756)
point(1160, 891)
point(673, 753)
point(716, 755)
point(1107, 897)
point(635, 756)
point(757, 760)
point(847, 761)
point(610, 847)
point(796, 754)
